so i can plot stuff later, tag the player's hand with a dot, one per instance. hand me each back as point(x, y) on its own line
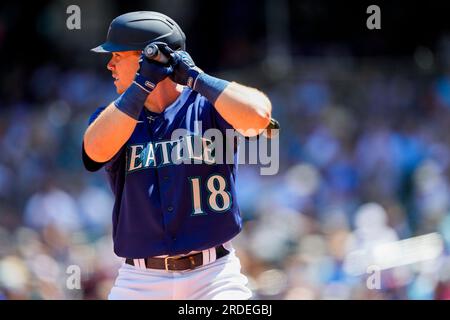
point(150, 73)
point(185, 71)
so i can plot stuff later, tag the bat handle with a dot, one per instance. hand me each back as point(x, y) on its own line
point(152, 52)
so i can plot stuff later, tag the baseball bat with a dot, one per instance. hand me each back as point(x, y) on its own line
point(273, 124)
point(152, 52)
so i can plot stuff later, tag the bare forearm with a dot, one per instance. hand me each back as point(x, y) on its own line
point(108, 133)
point(246, 109)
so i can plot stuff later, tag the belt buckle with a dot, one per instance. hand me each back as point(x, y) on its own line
point(190, 257)
point(166, 263)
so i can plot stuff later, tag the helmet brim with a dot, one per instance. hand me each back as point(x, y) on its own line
point(109, 47)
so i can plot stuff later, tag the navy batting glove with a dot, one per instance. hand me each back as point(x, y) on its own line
point(150, 73)
point(185, 72)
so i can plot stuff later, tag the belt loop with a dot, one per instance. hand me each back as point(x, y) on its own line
point(206, 256)
point(139, 263)
point(212, 255)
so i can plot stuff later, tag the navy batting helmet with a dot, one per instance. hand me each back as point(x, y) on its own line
point(134, 30)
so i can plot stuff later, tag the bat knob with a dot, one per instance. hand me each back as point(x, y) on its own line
point(151, 50)
point(272, 129)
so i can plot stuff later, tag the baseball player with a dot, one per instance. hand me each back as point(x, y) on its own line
point(172, 222)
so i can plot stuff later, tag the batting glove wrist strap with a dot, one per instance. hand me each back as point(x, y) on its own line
point(192, 77)
point(144, 83)
point(210, 87)
point(132, 100)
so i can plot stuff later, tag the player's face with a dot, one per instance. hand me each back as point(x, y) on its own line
point(123, 66)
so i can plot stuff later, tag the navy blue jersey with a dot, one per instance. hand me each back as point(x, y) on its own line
point(166, 208)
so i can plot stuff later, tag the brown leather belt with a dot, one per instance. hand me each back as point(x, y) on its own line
point(181, 263)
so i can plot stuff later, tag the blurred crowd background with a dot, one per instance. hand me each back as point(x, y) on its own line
point(364, 146)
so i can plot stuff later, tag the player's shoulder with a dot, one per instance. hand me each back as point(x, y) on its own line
point(205, 110)
point(199, 100)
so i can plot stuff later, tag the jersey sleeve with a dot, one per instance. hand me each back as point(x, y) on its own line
point(88, 163)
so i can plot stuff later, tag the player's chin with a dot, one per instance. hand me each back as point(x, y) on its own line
point(119, 90)
point(122, 87)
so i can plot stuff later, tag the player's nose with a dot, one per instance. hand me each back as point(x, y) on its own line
point(110, 65)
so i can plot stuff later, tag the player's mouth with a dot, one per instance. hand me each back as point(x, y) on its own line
point(116, 78)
